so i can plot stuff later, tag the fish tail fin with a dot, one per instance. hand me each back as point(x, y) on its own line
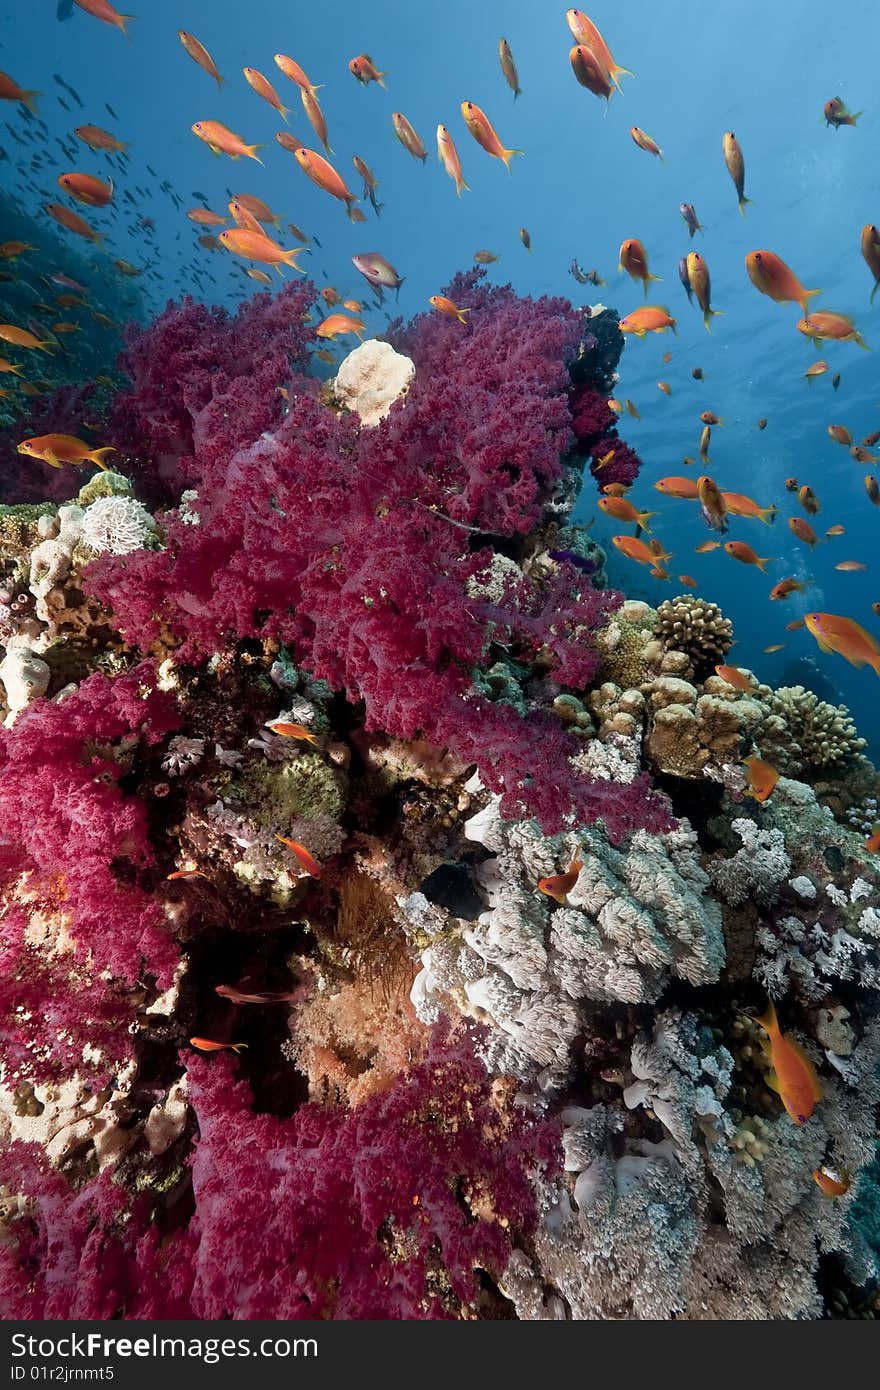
point(742, 204)
point(97, 456)
point(220, 81)
point(808, 294)
point(763, 561)
point(17, 371)
point(47, 345)
point(251, 151)
point(29, 98)
point(874, 291)
point(460, 315)
point(123, 21)
point(643, 518)
point(711, 314)
point(855, 116)
point(768, 1019)
point(875, 664)
point(507, 155)
point(861, 342)
point(379, 78)
point(349, 208)
point(460, 185)
point(284, 112)
point(768, 514)
point(238, 1047)
point(617, 71)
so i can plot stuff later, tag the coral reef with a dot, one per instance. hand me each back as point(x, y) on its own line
point(325, 741)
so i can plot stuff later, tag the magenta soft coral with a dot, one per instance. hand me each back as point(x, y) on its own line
point(594, 426)
point(356, 547)
point(206, 381)
point(72, 841)
point(358, 1208)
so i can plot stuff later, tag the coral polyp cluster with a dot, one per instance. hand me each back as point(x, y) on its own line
point(367, 864)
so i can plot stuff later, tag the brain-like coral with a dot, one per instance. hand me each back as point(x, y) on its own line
point(697, 627)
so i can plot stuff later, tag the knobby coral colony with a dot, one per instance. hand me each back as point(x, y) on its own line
point(453, 1094)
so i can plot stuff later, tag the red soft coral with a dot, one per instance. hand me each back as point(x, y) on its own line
point(76, 931)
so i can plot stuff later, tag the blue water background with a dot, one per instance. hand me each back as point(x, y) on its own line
point(763, 71)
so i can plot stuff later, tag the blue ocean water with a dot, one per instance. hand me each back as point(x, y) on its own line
point(581, 188)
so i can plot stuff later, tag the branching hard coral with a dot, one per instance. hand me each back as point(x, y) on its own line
point(328, 536)
point(697, 627)
point(803, 734)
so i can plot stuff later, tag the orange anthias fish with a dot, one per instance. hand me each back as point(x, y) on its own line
point(308, 862)
point(200, 55)
point(688, 581)
point(10, 91)
point(408, 136)
point(685, 488)
point(508, 67)
point(286, 730)
point(740, 680)
point(836, 531)
point(769, 274)
point(762, 777)
point(258, 209)
point(448, 156)
point(239, 996)
point(795, 625)
point(709, 417)
point(786, 587)
point(850, 566)
point(243, 217)
point(585, 33)
point(221, 140)
point(98, 139)
point(263, 88)
point(256, 246)
point(296, 74)
point(336, 324)
point(209, 1045)
point(700, 283)
point(803, 530)
point(776, 647)
point(840, 434)
point(846, 638)
point(557, 886)
point(823, 325)
point(58, 449)
point(872, 844)
point(634, 260)
point(203, 217)
point(102, 9)
point(288, 141)
point(622, 510)
point(316, 117)
point(832, 1182)
point(645, 141)
point(651, 318)
point(446, 306)
point(483, 131)
point(870, 244)
point(185, 874)
point(363, 68)
point(817, 369)
point(808, 500)
point(872, 488)
point(736, 168)
point(591, 72)
point(738, 504)
point(635, 549)
point(22, 337)
point(793, 1076)
point(711, 503)
point(95, 193)
point(325, 176)
point(67, 218)
point(747, 556)
point(837, 114)
point(707, 547)
point(862, 455)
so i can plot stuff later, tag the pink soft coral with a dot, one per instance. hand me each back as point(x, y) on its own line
point(359, 549)
point(72, 846)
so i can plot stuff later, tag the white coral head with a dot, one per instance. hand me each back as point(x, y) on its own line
point(117, 526)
